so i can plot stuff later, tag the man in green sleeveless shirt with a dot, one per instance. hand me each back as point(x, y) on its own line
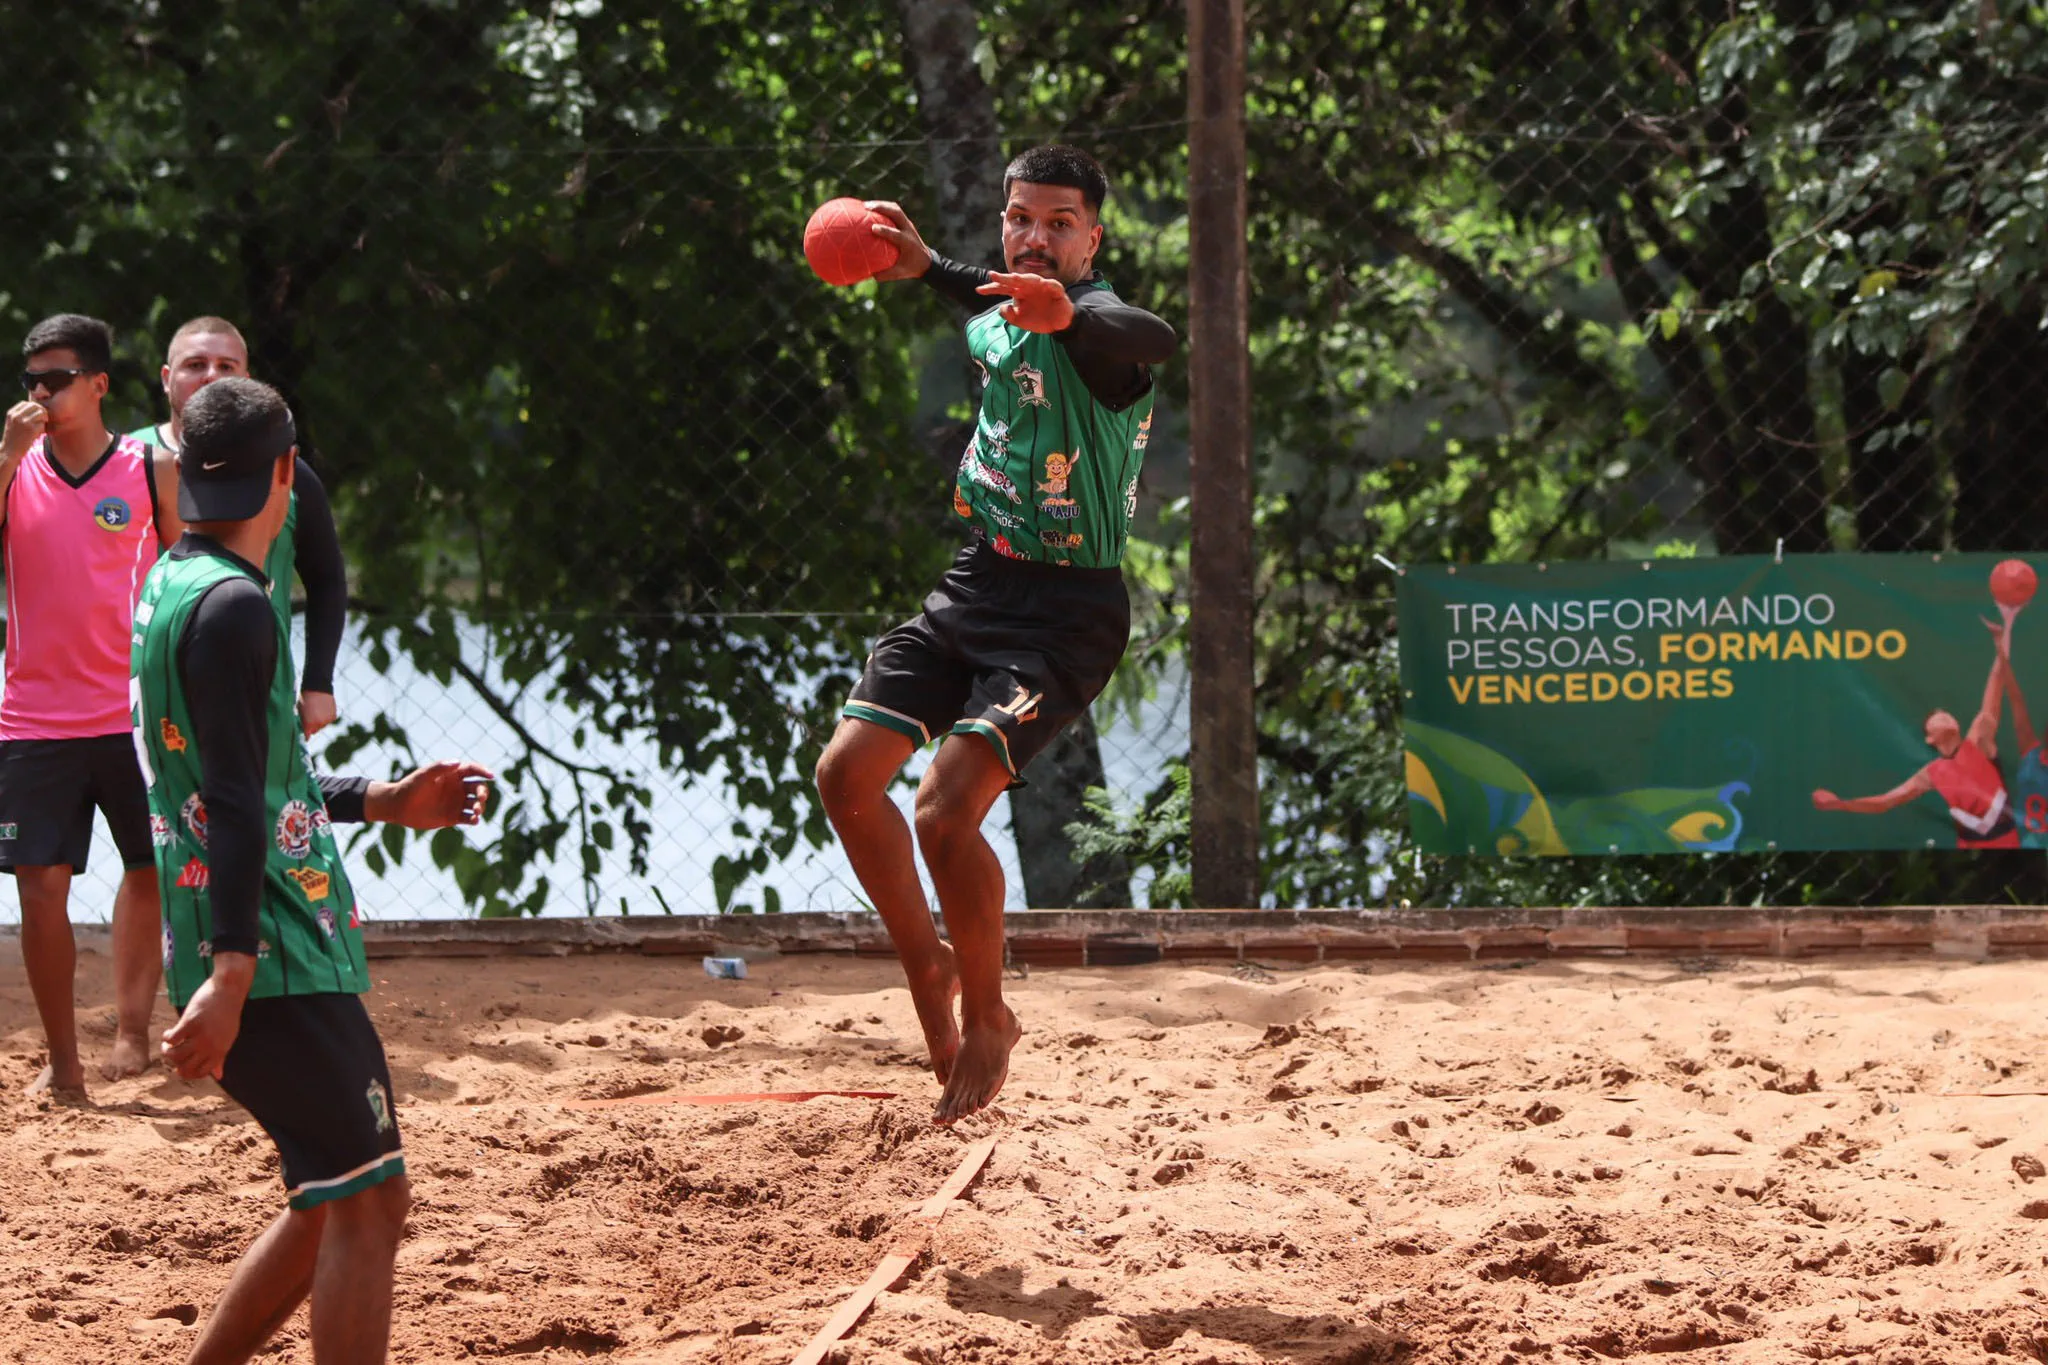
point(263, 953)
point(202, 350)
point(1026, 628)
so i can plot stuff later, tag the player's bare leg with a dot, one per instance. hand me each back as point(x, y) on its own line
point(853, 781)
point(955, 797)
point(352, 1282)
point(50, 955)
point(272, 1279)
point(138, 970)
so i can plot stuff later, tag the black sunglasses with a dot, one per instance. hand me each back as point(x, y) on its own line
point(56, 381)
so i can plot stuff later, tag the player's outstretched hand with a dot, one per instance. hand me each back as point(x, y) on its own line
point(1038, 303)
point(913, 257)
point(197, 1045)
point(25, 422)
point(1823, 799)
point(433, 797)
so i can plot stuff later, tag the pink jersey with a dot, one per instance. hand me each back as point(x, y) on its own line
point(76, 554)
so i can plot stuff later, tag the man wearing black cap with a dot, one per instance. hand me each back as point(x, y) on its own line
point(263, 956)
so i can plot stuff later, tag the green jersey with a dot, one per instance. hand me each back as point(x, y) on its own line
point(1051, 474)
point(309, 940)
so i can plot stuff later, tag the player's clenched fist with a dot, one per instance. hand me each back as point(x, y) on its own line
point(25, 422)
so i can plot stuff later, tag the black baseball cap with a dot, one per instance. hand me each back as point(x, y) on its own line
point(224, 470)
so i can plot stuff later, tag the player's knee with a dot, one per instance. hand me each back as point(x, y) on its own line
point(843, 778)
point(379, 1210)
point(942, 820)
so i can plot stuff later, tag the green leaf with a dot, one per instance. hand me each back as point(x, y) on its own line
point(1892, 386)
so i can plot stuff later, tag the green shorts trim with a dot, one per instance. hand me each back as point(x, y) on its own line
point(910, 727)
point(991, 732)
point(376, 1172)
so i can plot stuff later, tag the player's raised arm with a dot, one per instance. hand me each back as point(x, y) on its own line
point(1983, 730)
point(1914, 787)
point(25, 422)
point(316, 557)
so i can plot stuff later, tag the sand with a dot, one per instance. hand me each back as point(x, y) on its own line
point(1721, 1161)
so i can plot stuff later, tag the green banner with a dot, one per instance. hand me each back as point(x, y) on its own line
point(1697, 705)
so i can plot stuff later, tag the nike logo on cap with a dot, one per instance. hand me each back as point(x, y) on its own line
point(210, 465)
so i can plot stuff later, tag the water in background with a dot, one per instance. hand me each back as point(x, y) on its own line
point(691, 821)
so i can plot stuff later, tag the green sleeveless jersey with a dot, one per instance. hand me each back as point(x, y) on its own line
point(310, 942)
point(1051, 474)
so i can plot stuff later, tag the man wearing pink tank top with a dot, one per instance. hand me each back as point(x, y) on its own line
point(82, 517)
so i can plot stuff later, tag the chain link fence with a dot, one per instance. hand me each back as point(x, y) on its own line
point(626, 492)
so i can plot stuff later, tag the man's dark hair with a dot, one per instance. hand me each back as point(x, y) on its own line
point(229, 414)
point(91, 340)
point(1059, 164)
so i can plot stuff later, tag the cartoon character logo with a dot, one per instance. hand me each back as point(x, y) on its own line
point(961, 507)
point(173, 739)
point(326, 918)
point(1144, 436)
point(295, 829)
point(1002, 546)
point(314, 883)
point(1031, 387)
point(111, 514)
point(194, 877)
point(193, 813)
point(1059, 469)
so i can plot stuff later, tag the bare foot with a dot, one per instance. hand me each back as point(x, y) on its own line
point(70, 1090)
point(935, 993)
point(979, 1070)
point(130, 1057)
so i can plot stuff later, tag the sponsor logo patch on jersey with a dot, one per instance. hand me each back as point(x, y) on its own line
point(1144, 436)
point(1060, 509)
point(1031, 387)
point(173, 738)
point(1060, 540)
point(1059, 469)
point(295, 829)
point(1002, 546)
point(170, 948)
point(193, 877)
point(193, 813)
point(961, 507)
point(321, 820)
point(993, 478)
point(159, 829)
point(326, 918)
point(112, 514)
point(314, 883)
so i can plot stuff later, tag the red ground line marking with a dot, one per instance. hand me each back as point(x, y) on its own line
point(762, 1097)
point(905, 1247)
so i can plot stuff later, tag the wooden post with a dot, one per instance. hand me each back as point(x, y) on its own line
point(1223, 756)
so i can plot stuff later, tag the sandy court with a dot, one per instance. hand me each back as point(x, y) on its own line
point(1751, 1161)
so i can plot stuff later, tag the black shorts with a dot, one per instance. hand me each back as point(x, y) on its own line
point(1008, 649)
point(310, 1070)
point(48, 788)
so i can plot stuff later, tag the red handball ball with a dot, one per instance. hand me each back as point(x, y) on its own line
point(2012, 583)
point(839, 245)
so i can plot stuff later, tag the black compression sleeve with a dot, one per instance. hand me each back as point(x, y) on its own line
point(958, 282)
point(317, 557)
point(345, 797)
point(1111, 343)
point(227, 658)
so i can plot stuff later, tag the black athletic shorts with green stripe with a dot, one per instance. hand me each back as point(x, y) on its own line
point(311, 1071)
point(1008, 649)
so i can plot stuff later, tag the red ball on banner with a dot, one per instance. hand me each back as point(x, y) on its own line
point(2012, 583)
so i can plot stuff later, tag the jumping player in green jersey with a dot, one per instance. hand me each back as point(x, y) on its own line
point(263, 955)
point(1028, 625)
point(209, 348)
